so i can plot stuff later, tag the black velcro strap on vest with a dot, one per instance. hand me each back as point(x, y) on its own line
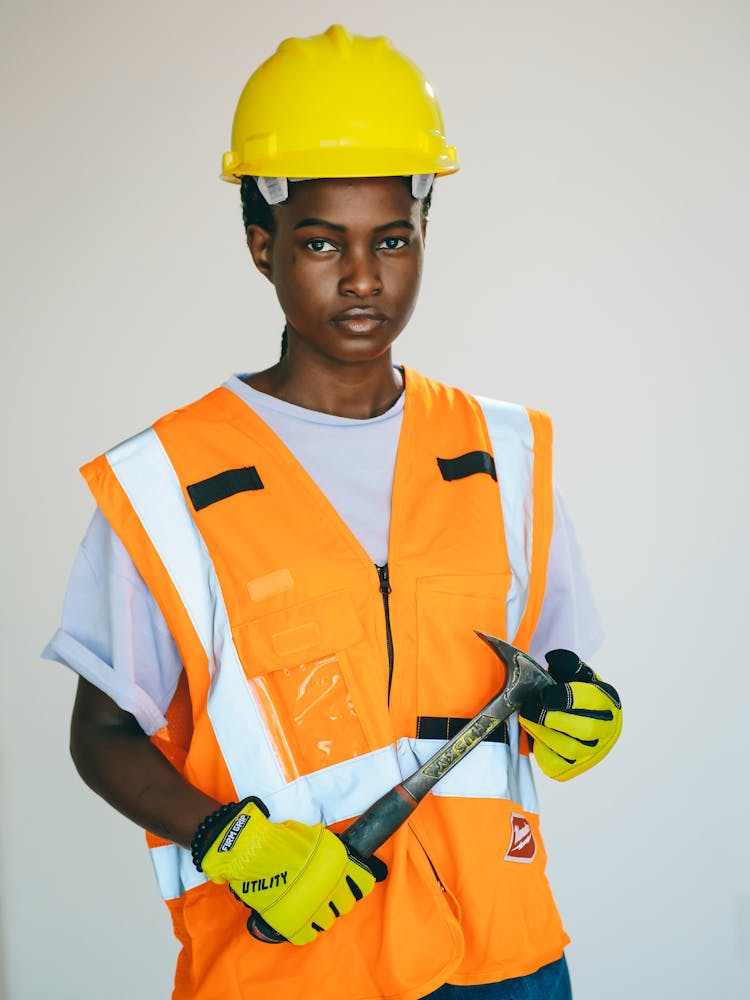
point(224, 485)
point(434, 727)
point(466, 465)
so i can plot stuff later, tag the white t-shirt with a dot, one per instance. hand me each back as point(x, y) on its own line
point(115, 636)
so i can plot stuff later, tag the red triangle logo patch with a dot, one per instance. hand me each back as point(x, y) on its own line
point(522, 846)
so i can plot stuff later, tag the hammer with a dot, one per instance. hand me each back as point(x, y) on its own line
point(381, 820)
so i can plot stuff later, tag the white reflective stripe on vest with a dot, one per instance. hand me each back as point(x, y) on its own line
point(524, 775)
point(490, 771)
point(146, 475)
point(345, 790)
point(512, 439)
point(339, 792)
point(329, 796)
point(175, 871)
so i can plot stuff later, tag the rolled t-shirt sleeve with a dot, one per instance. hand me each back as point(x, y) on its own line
point(568, 619)
point(113, 633)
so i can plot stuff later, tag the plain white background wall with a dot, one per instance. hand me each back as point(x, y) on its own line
point(591, 259)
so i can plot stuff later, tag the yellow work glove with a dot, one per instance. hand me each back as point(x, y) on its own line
point(575, 723)
point(299, 878)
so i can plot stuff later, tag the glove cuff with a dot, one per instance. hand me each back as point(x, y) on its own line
point(209, 828)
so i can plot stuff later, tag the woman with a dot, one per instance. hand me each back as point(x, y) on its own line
point(273, 612)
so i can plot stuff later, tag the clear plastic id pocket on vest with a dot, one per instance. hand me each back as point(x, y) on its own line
point(297, 664)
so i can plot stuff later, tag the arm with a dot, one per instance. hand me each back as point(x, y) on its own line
point(118, 761)
point(300, 877)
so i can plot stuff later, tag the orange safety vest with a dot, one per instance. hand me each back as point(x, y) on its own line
point(317, 682)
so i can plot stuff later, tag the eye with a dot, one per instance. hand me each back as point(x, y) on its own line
point(393, 243)
point(319, 245)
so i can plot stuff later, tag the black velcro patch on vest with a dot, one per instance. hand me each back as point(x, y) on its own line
point(435, 727)
point(224, 485)
point(470, 464)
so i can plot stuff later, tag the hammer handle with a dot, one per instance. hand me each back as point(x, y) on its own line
point(377, 823)
point(365, 835)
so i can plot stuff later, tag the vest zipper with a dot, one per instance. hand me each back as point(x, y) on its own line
point(385, 589)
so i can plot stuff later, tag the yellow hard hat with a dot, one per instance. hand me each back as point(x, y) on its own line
point(337, 105)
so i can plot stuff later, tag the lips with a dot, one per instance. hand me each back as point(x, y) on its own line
point(359, 319)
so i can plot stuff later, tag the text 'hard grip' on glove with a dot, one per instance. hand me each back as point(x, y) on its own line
point(574, 723)
point(299, 878)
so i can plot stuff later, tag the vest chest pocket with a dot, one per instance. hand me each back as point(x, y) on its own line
point(456, 672)
point(297, 663)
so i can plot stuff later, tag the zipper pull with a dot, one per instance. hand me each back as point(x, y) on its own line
point(385, 583)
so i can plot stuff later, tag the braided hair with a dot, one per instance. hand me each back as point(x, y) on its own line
point(257, 212)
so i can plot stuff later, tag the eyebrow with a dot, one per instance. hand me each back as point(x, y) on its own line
point(303, 223)
point(397, 224)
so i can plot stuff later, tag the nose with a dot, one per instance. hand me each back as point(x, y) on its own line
point(360, 275)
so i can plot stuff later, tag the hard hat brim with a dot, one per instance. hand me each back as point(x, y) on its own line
point(340, 162)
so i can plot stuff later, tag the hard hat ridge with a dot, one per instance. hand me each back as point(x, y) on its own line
point(336, 35)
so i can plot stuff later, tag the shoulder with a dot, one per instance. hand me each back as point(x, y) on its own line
point(216, 406)
point(506, 421)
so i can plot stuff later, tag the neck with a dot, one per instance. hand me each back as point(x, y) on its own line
point(359, 390)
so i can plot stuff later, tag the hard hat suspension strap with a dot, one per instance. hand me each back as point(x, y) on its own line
point(276, 189)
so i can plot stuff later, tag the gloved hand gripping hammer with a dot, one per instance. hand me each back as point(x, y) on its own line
point(371, 830)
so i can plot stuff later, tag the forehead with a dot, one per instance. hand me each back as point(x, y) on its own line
point(357, 201)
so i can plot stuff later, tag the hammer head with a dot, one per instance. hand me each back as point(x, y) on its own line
point(524, 676)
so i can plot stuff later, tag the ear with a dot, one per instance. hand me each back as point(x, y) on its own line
point(260, 242)
point(423, 224)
